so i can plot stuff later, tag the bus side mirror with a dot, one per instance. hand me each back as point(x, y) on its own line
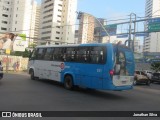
point(117, 68)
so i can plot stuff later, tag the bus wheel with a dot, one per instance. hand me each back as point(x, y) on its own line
point(68, 82)
point(32, 75)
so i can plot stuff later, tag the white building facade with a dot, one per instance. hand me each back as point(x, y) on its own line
point(152, 42)
point(58, 18)
point(18, 16)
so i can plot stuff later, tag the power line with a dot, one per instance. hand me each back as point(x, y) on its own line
point(69, 25)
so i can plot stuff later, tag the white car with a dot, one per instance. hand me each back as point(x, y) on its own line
point(141, 77)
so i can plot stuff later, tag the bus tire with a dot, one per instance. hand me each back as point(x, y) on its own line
point(32, 75)
point(68, 82)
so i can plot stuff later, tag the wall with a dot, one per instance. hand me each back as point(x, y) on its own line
point(12, 60)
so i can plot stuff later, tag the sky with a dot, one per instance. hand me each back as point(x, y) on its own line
point(111, 9)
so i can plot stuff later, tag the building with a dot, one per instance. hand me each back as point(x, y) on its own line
point(58, 18)
point(17, 16)
point(98, 30)
point(76, 37)
point(152, 42)
point(37, 24)
point(86, 28)
point(138, 48)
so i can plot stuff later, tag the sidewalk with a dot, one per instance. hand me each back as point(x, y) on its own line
point(13, 72)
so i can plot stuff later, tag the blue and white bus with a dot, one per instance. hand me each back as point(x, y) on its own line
point(96, 66)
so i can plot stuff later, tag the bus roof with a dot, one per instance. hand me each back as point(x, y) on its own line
point(73, 45)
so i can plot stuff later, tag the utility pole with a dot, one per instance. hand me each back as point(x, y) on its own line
point(130, 41)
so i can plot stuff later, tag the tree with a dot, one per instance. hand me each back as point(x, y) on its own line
point(26, 53)
point(155, 66)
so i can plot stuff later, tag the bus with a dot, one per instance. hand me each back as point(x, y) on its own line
point(96, 66)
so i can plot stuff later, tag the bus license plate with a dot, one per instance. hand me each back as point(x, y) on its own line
point(124, 82)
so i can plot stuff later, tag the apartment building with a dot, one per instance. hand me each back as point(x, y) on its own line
point(19, 16)
point(58, 18)
point(86, 28)
point(152, 42)
point(5, 15)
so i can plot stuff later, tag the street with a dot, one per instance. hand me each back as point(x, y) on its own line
point(19, 93)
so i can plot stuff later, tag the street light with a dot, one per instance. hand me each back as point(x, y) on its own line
point(79, 15)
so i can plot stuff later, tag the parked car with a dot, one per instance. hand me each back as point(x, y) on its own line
point(141, 77)
point(1, 71)
point(155, 77)
point(149, 74)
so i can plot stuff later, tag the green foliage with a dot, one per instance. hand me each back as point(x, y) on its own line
point(26, 53)
point(155, 66)
point(33, 45)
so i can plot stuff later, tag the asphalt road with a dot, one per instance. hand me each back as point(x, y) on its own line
point(19, 93)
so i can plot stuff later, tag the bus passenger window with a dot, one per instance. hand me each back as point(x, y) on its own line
point(48, 54)
point(97, 55)
point(58, 54)
point(41, 53)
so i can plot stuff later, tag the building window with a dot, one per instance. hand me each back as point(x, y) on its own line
point(15, 29)
point(47, 21)
point(2, 28)
point(59, 10)
point(57, 32)
point(50, 10)
point(46, 32)
point(47, 1)
point(5, 22)
point(44, 38)
point(48, 5)
point(57, 37)
point(57, 26)
point(16, 15)
point(15, 22)
point(4, 15)
point(59, 5)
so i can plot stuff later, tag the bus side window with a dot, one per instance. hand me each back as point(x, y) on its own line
point(97, 55)
point(70, 54)
point(58, 54)
point(41, 53)
point(82, 54)
point(48, 54)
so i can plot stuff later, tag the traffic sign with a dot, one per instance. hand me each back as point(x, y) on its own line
point(111, 29)
point(154, 27)
point(154, 20)
point(141, 34)
point(122, 36)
